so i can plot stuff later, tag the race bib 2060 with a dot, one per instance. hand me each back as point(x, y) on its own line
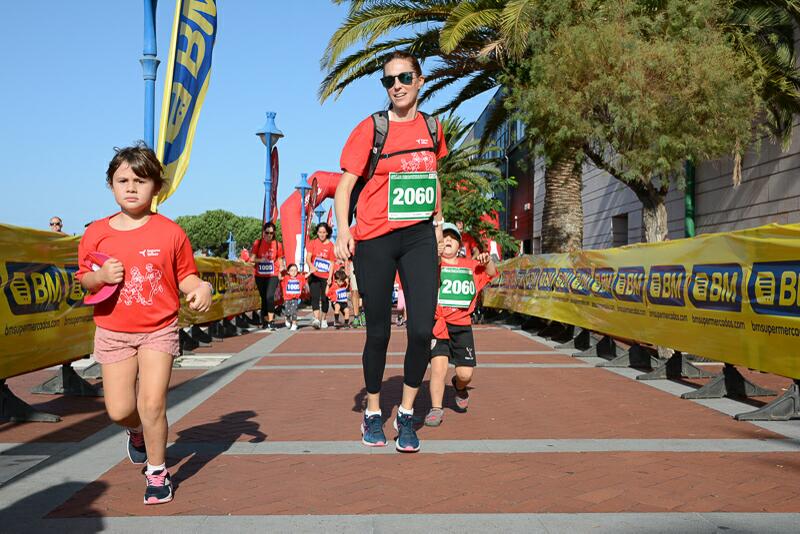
point(457, 287)
point(412, 195)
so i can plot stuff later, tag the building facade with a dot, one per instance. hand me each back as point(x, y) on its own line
point(768, 193)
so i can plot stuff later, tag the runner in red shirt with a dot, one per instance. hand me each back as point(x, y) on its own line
point(462, 279)
point(320, 257)
point(269, 266)
point(394, 231)
point(292, 288)
point(151, 259)
point(339, 294)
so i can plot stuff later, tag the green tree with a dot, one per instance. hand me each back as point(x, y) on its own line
point(645, 88)
point(468, 180)
point(209, 230)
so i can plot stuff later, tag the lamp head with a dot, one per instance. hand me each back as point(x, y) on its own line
point(302, 185)
point(269, 132)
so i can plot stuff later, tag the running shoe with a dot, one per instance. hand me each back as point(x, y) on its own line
point(462, 396)
point(159, 487)
point(288, 323)
point(316, 324)
point(356, 322)
point(136, 449)
point(293, 327)
point(434, 417)
point(324, 324)
point(407, 440)
point(372, 431)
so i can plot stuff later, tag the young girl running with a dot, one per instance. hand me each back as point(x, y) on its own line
point(137, 327)
point(461, 280)
point(292, 288)
point(394, 233)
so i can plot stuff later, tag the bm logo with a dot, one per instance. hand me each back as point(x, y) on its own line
point(629, 284)
point(666, 285)
point(41, 287)
point(773, 288)
point(716, 287)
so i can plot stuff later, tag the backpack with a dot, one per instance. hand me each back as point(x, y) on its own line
point(380, 121)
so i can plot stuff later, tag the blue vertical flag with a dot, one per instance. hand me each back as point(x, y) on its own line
point(188, 73)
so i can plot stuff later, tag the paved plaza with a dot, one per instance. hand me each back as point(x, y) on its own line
point(268, 441)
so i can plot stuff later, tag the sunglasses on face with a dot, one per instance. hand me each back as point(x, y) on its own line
point(269, 232)
point(55, 224)
point(405, 78)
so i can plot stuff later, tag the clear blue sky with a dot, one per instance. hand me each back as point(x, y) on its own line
point(74, 90)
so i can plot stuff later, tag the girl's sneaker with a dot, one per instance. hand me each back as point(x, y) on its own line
point(324, 324)
point(462, 396)
point(288, 323)
point(159, 487)
point(407, 440)
point(136, 449)
point(372, 431)
point(315, 324)
point(434, 417)
point(294, 326)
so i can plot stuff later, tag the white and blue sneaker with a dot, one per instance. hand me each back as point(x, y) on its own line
point(407, 440)
point(372, 431)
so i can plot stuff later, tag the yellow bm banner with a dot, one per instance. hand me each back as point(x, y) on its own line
point(43, 320)
point(732, 297)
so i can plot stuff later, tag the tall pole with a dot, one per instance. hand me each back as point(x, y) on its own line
point(302, 188)
point(149, 67)
point(268, 179)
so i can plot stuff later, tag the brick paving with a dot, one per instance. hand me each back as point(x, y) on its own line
point(570, 400)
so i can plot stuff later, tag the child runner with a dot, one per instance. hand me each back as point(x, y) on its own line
point(292, 287)
point(339, 292)
point(461, 280)
point(137, 327)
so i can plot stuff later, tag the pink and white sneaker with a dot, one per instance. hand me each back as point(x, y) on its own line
point(159, 487)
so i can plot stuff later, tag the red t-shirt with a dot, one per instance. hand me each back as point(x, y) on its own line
point(244, 255)
point(156, 257)
point(292, 286)
point(467, 244)
point(322, 257)
point(372, 216)
point(272, 251)
point(337, 293)
point(460, 316)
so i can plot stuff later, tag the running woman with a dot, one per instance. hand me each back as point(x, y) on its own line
point(339, 294)
point(269, 266)
point(292, 288)
point(395, 230)
point(319, 259)
point(137, 326)
point(462, 279)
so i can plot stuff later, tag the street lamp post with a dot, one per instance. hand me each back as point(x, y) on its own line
point(269, 135)
point(320, 212)
point(149, 63)
point(302, 188)
point(231, 246)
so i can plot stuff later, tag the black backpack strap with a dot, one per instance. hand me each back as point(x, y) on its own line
point(433, 130)
point(380, 130)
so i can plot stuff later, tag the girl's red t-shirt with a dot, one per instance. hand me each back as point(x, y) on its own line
point(272, 251)
point(372, 215)
point(323, 257)
point(292, 286)
point(156, 257)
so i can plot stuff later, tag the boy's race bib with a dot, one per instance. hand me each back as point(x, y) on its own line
point(322, 265)
point(293, 287)
point(412, 195)
point(266, 267)
point(342, 294)
point(457, 287)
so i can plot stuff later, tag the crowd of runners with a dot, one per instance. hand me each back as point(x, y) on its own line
point(399, 254)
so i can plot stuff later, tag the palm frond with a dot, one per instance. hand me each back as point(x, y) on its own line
point(468, 17)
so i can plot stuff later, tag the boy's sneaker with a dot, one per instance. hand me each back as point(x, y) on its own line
point(462, 396)
point(434, 417)
point(136, 449)
point(159, 487)
point(407, 440)
point(372, 431)
point(324, 324)
point(293, 327)
point(315, 323)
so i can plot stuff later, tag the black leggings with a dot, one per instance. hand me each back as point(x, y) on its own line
point(317, 286)
point(266, 288)
point(410, 251)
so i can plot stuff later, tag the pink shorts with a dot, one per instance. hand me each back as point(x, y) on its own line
point(112, 347)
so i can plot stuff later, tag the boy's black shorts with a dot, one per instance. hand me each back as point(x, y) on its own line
point(342, 305)
point(460, 348)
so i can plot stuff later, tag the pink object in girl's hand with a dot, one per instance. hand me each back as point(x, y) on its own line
point(94, 262)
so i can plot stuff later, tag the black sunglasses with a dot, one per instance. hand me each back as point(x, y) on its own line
point(405, 78)
point(55, 224)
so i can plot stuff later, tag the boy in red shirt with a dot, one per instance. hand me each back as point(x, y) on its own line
point(461, 279)
point(150, 258)
point(292, 287)
point(339, 293)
